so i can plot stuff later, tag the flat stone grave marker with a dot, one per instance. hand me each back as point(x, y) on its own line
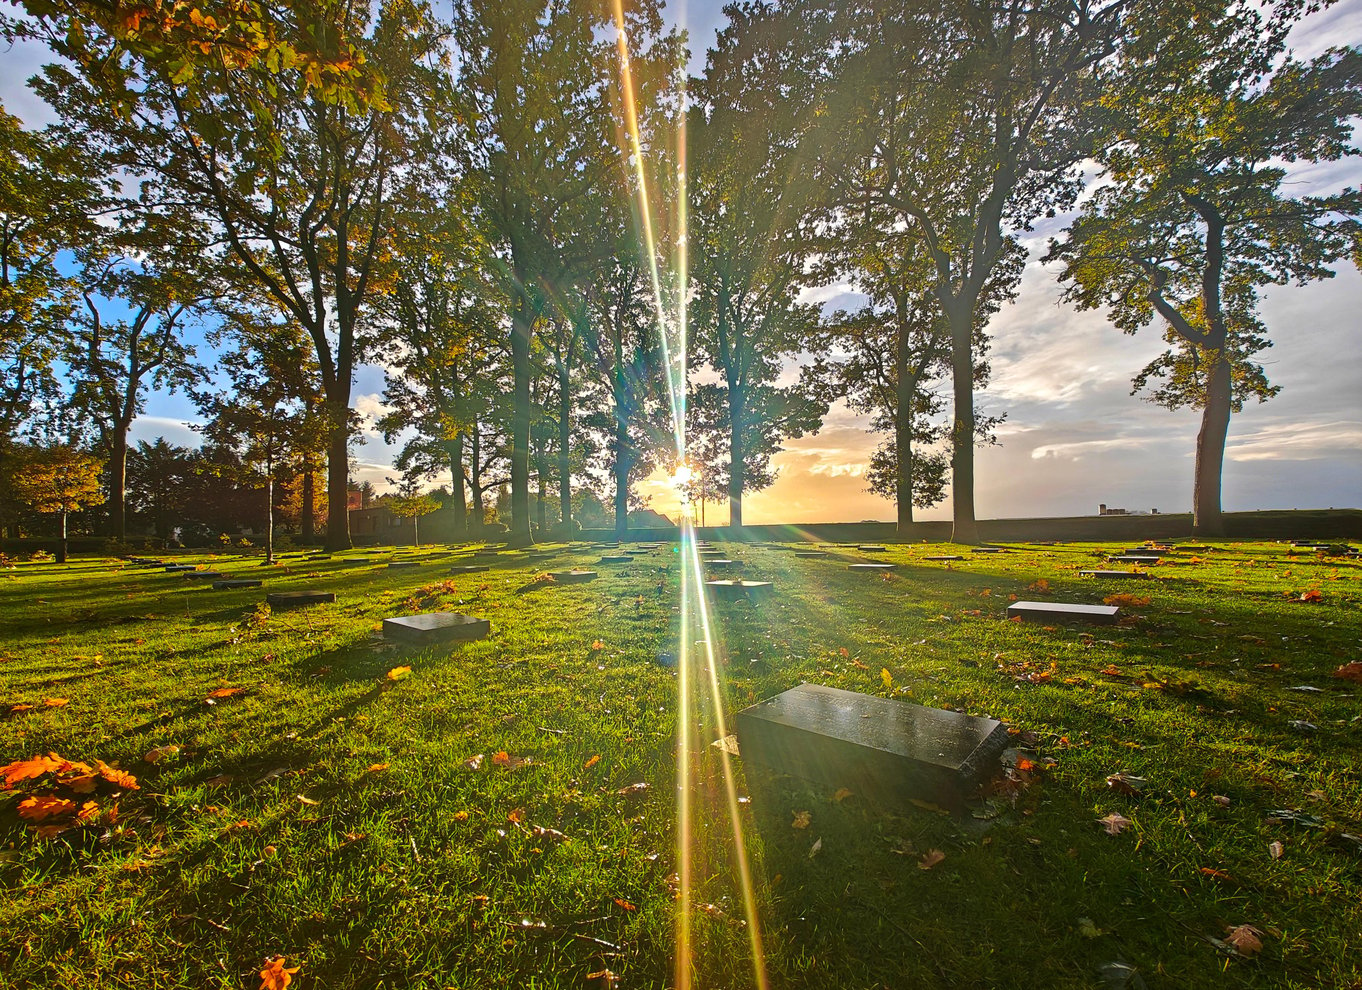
point(1131, 558)
point(986, 550)
point(811, 553)
point(1191, 549)
point(318, 556)
point(358, 563)
point(404, 563)
point(616, 558)
point(468, 568)
point(573, 577)
point(205, 575)
point(711, 553)
point(945, 556)
point(434, 627)
point(178, 568)
point(237, 583)
point(888, 751)
point(284, 600)
point(723, 564)
point(871, 567)
point(1101, 615)
point(1147, 552)
point(872, 548)
point(728, 591)
point(1104, 575)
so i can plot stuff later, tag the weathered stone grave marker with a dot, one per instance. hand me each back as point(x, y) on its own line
point(871, 548)
point(573, 577)
point(468, 568)
point(1100, 615)
point(871, 567)
point(1130, 558)
point(616, 558)
point(890, 752)
point(433, 627)
point(944, 557)
point(237, 583)
point(1115, 575)
point(811, 553)
point(723, 564)
point(403, 563)
point(728, 591)
point(282, 601)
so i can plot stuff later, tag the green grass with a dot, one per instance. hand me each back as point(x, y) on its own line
point(268, 833)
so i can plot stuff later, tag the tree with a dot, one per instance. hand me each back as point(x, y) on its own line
point(117, 360)
point(967, 123)
point(1194, 219)
point(412, 505)
point(49, 197)
point(896, 349)
point(298, 165)
point(59, 479)
point(443, 339)
point(539, 80)
point(162, 484)
point(264, 416)
point(749, 245)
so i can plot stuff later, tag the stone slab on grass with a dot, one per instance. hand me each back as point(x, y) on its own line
point(728, 591)
point(573, 577)
point(1100, 615)
point(887, 751)
point(282, 601)
point(469, 569)
point(1115, 575)
point(435, 627)
point(872, 567)
point(237, 583)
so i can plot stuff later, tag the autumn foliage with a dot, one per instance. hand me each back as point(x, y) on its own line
point(61, 794)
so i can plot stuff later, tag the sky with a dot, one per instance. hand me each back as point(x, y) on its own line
point(1074, 436)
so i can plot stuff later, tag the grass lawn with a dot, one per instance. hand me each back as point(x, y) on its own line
point(505, 814)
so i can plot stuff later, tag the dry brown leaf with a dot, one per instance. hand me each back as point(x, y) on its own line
point(1115, 822)
point(1246, 940)
point(801, 819)
point(841, 795)
point(933, 857)
point(377, 767)
point(592, 762)
point(1275, 850)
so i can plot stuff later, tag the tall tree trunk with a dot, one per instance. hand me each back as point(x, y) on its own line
point(338, 477)
point(903, 433)
point(522, 325)
point(564, 452)
point(475, 482)
point(308, 525)
point(1207, 519)
point(961, 317)
point(269, 511)
point(623, 462)
point(737, 458)
point(455, 450)
point(61, 546)
point(118, 483)
point(416, 528)
point(541, 504)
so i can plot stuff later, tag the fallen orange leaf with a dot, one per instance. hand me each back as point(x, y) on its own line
point(274, 976)
point(21, 770)
point(377, 767)
point(625, 904)
point(592, 762)
point(1245, 940)
point(55, 702)
point(397, 673)
point(42, 807)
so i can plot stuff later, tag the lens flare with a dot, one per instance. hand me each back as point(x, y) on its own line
point(695, 617)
